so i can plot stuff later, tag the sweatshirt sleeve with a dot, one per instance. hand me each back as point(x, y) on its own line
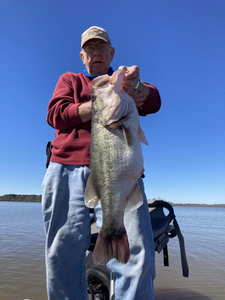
point(152, 103)
point(63, 107)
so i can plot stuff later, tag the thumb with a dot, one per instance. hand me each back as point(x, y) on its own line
point(123, 68)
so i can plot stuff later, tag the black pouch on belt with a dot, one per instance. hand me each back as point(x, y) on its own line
point(48, 153)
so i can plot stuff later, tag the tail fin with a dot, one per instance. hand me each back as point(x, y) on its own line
point(107, 248)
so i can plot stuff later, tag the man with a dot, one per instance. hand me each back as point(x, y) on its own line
point(66, 217)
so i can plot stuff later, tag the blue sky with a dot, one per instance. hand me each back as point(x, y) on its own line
point(179, 46)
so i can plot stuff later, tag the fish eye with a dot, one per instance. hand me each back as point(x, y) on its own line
point(93, 97)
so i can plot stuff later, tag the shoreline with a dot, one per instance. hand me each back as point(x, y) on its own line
point(20, 198)
point(37, 198)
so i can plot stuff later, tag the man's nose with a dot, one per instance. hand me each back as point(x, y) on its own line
point(97, 51)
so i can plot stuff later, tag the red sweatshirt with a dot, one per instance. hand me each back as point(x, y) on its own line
point(71, 145)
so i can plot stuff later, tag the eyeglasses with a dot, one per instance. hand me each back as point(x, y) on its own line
point(101, 48)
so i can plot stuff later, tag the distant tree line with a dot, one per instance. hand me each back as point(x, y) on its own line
point(20, 198)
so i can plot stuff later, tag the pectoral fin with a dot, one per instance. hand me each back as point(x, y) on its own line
point(128, 136)
point(141, 136)
point(135, 200)
point(90, 196)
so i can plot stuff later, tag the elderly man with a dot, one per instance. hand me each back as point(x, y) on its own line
point(66, 218)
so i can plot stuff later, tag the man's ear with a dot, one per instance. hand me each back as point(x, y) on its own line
point(82, 56)
point(112, 53)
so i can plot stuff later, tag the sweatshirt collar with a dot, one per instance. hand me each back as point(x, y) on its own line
point(110, 72)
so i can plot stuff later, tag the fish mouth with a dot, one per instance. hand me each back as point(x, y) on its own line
point(115, 80)
point(117, 77)
point(100, 81)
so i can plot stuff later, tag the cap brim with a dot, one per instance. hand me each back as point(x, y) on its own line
point(96, 37)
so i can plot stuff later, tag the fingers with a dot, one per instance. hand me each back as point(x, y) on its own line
point(130, 81)
point(131, 78)
point(138, 97)
point(122, 68)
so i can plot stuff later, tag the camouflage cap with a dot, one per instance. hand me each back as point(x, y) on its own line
point(94, 32)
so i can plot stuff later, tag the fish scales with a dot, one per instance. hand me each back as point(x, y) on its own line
point(116, 164)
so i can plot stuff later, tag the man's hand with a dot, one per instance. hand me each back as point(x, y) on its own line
point(131, 78)
point(140, 94)
point(84, 111)
point(130, 81)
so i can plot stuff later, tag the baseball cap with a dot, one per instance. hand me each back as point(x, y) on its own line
point(94, 32)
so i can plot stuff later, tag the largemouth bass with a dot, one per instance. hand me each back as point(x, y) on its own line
point(116, 164)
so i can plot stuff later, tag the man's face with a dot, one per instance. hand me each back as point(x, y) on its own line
point(97, 56)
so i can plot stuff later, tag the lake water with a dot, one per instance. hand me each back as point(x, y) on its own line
point(22, 272)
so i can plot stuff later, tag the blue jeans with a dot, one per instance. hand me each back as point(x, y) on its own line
point(67, 227)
